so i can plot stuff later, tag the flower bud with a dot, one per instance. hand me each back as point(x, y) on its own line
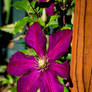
point(72, 17)
point(44, 16)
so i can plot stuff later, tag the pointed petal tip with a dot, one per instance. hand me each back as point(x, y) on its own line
point(29, 83)
point(20, 63)
point(50, 83)
point(62, 70)
point(36, 39)
point(39, 1)
point(59, 43)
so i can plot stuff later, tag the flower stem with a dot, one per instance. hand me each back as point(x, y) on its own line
point(38, 15)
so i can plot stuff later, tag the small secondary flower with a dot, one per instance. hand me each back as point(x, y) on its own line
point(50, 10)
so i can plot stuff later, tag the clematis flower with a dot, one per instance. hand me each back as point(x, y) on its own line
point(41, 72)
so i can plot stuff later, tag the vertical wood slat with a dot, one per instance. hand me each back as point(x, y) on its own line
point(81, 62)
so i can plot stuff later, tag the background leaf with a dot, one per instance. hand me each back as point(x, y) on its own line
point(7, 6)
point(23, 4)
point(21, 23)
point(8, 28)
point(53, 22)
point(66, 89)
point(29, 52)
point(38, 90)
point(61, 80)
point(3, 68)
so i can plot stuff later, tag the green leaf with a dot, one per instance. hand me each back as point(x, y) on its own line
point(7, 6)
point(29, 52)
point(63, 57)
point(61, 80)
point(38, 90)
point(2, 78)
point(10, 79)
point(23, 4)
point(53, 22)
point(33, 3)
point(68, 57)
point(5, 82)
point(13, 89)
point(40, 21)
point(21, 23)
point(47, 45)
point(58, 61)
point(66, 89)
point(8, 28)
point(3, 68)
point(67, 26)
point(73, 2)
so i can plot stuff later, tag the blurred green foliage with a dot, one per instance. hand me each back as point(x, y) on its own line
point(7, 6)
point(23, 4)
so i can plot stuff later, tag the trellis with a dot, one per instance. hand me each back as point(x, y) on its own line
point(81, 62)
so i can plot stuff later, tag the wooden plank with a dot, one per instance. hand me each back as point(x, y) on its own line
point(81, 62)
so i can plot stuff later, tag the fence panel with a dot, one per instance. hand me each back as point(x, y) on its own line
point(81, 62)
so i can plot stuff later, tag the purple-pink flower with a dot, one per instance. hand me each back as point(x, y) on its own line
point(41, 72)
point(50, 10)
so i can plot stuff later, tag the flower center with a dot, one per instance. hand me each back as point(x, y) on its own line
point(42, 63)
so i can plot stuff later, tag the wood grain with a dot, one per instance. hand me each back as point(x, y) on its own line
point(81, 61)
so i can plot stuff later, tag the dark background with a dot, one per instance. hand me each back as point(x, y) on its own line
point(5, 38)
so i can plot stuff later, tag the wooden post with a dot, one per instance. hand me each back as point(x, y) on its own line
point(81, 61)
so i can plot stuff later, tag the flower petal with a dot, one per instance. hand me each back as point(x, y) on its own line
point(50, 83)
point(59, 43)
point(62, 69)
point(50, 10)
point(41, 1)
point(20, 64)
point(36, 39)
point(29, 83)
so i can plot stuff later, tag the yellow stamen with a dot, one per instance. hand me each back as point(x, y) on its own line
point(42, 63)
